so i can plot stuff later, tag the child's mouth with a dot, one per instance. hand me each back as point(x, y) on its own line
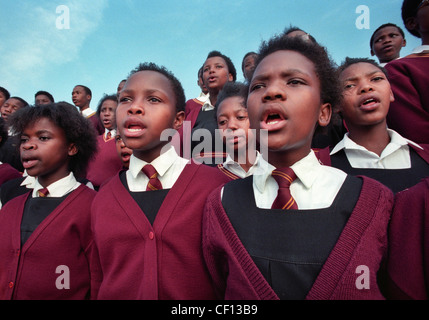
point(369, 104)
point(29, 163)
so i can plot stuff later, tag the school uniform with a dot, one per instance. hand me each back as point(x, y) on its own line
point(408, 256)
point(409, 113)
point(200, 148)
point(92, 116)
point(234, 171)
point(7, 172)
point(196, 102)
point(40, 234)
point(106, 162)
point(255, 252)
point(402, 163)
point(149, 242)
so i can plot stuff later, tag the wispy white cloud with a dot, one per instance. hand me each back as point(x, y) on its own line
point(25, 52)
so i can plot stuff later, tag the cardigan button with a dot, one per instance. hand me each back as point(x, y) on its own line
point(151, 235)
point(11, 285)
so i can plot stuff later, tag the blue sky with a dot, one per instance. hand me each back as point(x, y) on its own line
point(107, 39)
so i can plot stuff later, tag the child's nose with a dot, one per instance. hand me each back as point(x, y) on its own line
point(273, 92)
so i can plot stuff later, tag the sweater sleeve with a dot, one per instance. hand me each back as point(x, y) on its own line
point(407, 264)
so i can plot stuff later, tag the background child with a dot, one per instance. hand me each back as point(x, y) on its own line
point(304, 238)
point(386, 43)
point(370, 148)
point(49, 227)
point(81, 97)
point(409, 76)
point(123, 152)
point(4, 95)
point(43, 97)
point(147, 226)
point(7, 172)
point(9, 152)
point(218, 69)
point(234, 126)
point(106, 162)
point(248, 65)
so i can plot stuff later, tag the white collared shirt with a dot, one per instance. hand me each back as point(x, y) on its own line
point(203, 97)
point(207, 106)
point(396, 155)
point(169, 166)
point(236, 169)
point(421, 49)
point(87, 112)
point(59, 188)
point(316, 186)
point(112, 132)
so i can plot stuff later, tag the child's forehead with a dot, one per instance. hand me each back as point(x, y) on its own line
point(359, 68)
point(232, 103)
point(282, 60)
point(386, 30)
point(214, 60)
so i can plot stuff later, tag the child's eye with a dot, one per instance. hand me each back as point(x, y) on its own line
point(44, 138)
point(222, 122)
point(154, 100)
point(256, 86)
point(23, 140)
point(296, 82)
point(349, 86)
point(377, 78)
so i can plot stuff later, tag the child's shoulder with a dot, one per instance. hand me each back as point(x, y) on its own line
point(204, 172)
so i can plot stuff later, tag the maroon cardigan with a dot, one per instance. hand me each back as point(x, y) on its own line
point(409, 113)
point(363, 242)
point(62, 239)
point(160, 261)
point(7, 172)
point(408, 259)
point(106, 162)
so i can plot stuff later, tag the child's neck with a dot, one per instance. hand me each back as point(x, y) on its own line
point(285, 159)
point(425, 39)
point(373, 138)
point(213, 97)
point(250, 158)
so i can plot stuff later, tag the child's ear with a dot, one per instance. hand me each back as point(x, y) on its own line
point(72, 149)
point(325, 114)
point(178, 120)
point(411, 23)
point(230, 77)
point(392, 96)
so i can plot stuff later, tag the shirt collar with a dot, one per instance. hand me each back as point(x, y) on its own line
point(421, 48)
point(395, 139)
point(112, 132)
point(305, 169)
point(161, 164)
point(59, 188)
point(207, 106)
point(87, 112)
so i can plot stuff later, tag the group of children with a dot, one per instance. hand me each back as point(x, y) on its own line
point(267, 216)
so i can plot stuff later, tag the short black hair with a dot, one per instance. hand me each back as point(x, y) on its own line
point(371, 41)
point(351, 61)
point(46, 93)
point(104, 98)
point(5, 92)
point(251, 53)
point(3, 132)
point(324, 66)
point(22, 101)
point(409, 10)
point(176, 85)
point(87, 90)
point(291, 29)
point(233, 89)
point(230, 65)
point(77, 129)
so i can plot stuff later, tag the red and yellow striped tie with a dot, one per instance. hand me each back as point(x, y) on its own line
point(43, 192)
point(284, 178)
point(154, 183)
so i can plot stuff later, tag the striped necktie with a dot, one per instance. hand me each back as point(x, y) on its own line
point(43, 192)
point(284, 178)
point(154, 183)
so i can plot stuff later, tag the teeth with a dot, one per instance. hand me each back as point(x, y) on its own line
point(134, 130)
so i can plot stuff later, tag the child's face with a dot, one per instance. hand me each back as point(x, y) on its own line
point(285, 100)
point(366, 95)
point(80, 97)
point(387, 44)
point(249, 66)
point(233, 120)
point(2, 98)
point(10, 106)
point(42, 99)
point(216, 73)
point(146, 108)
point(124, 152)
point(108, 114)
point(45, 152)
